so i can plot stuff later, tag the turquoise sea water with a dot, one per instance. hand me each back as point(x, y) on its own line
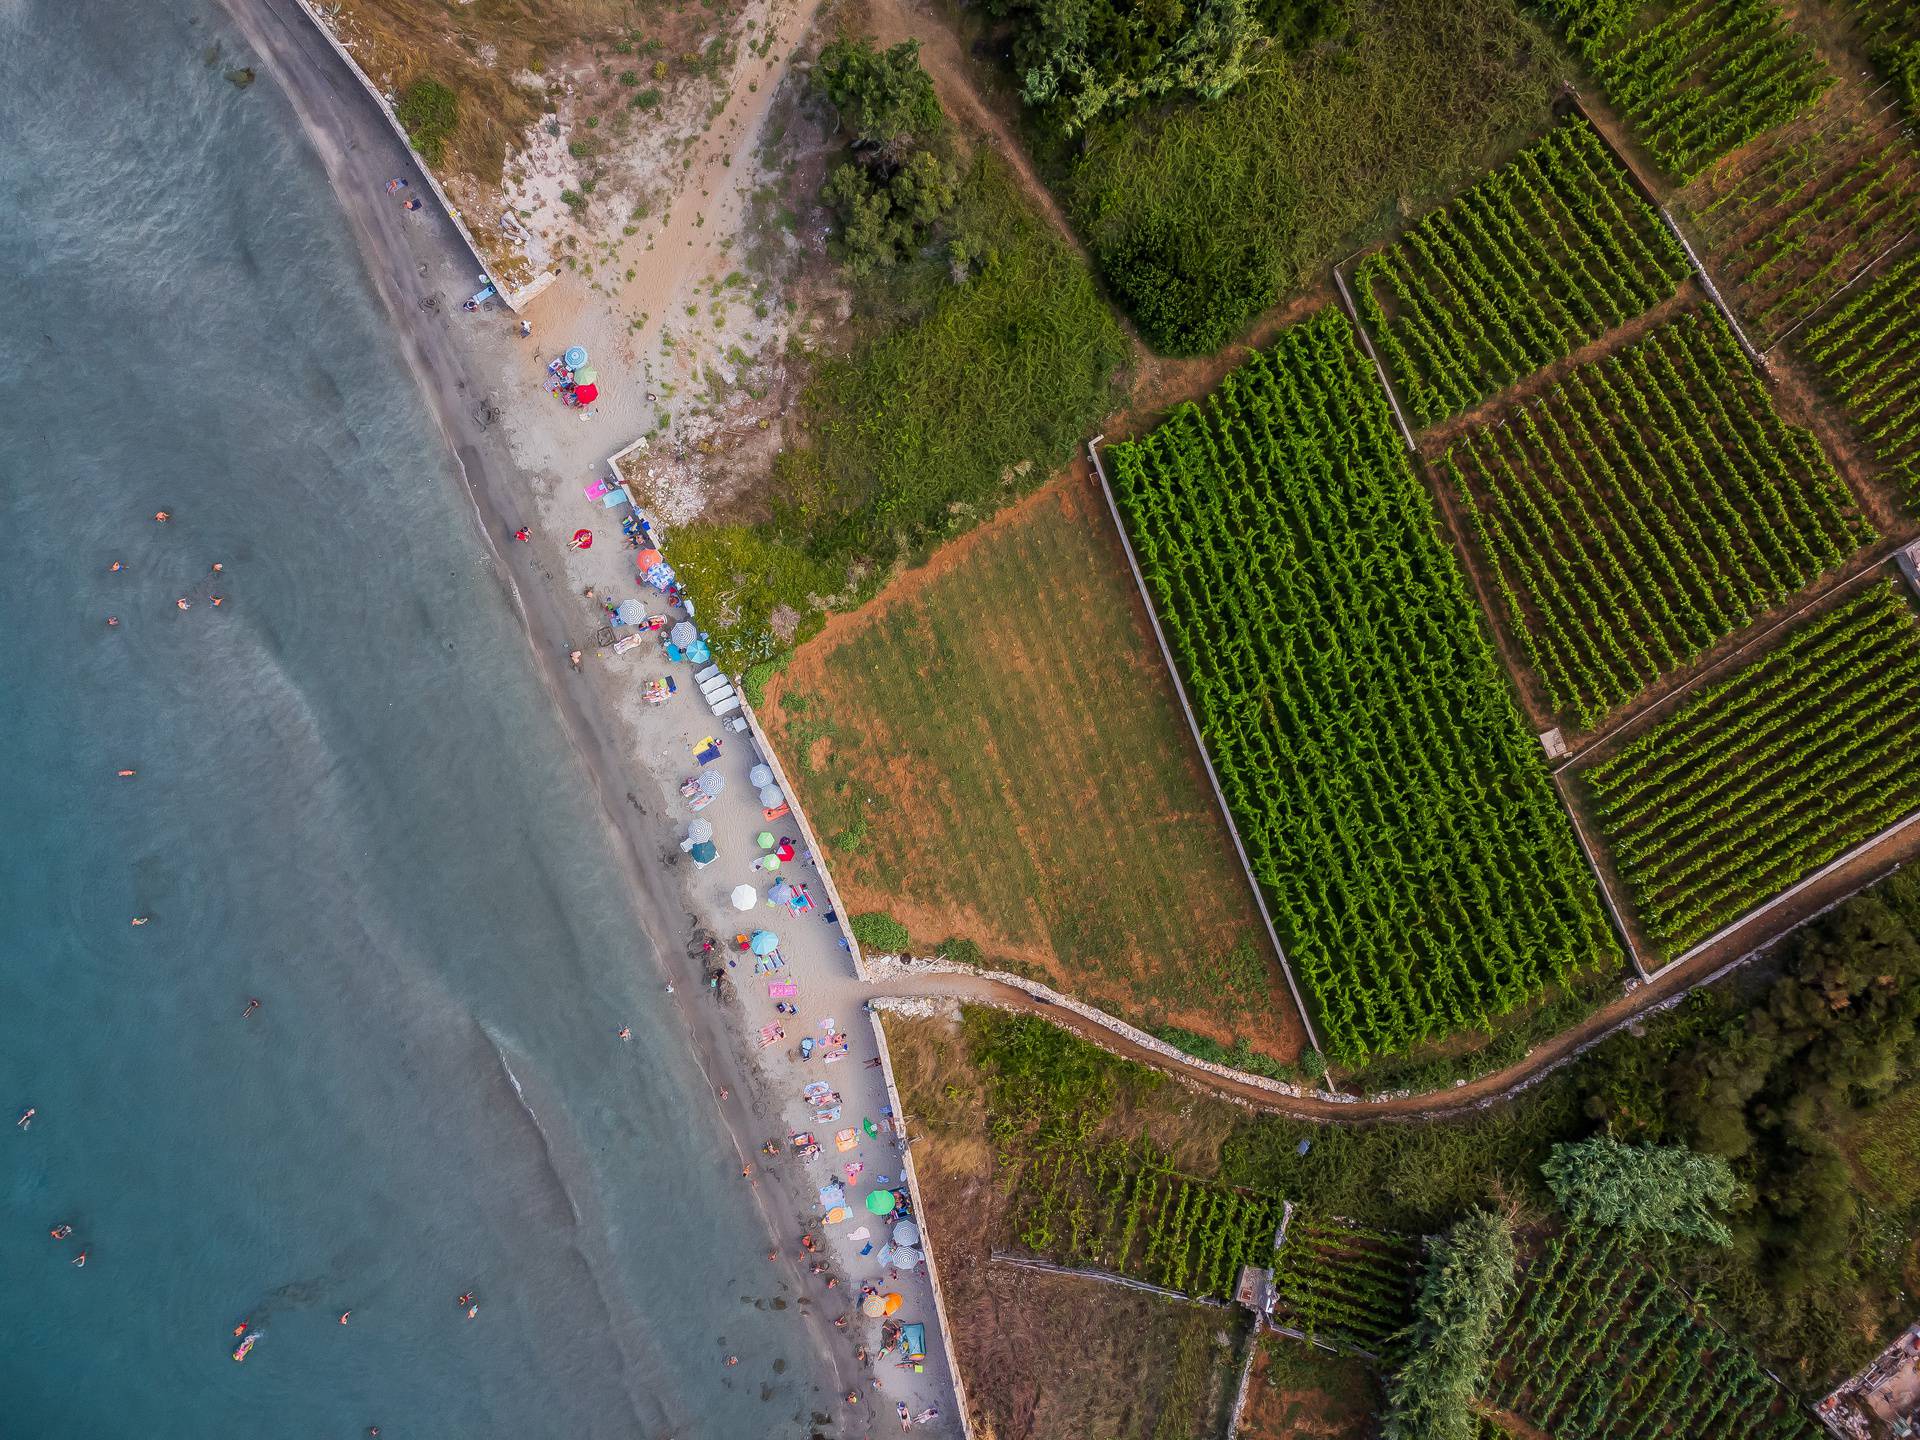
point(352, 803)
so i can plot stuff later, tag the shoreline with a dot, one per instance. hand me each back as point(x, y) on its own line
point(411, 260)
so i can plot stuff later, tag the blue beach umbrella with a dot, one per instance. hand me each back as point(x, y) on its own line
point(575, 357)
point(764, 942)
point(703, 853)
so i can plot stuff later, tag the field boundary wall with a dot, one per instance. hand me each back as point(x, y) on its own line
point(1199, 741)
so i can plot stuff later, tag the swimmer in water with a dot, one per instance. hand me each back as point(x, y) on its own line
point(219, 599)
point(26, 1118)
point(252, 1005)
point(60, 1232)
point(473, 1311)
point(163, 516)
point(343, 1316)
point(624, 1033)
point(126, 774)
point(183, 603)
point(113, 621)
point(116, 567)
point(80, 1260)
point(241, 1328)
point(218, 567)
point(140, 919)
point(466, 1299)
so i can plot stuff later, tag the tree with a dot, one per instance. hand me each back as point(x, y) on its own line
point(1464, 1293)
point(883, 97)
point(1663, 1189)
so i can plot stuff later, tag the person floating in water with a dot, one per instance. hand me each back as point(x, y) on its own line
point(241, 1328)
point(61, 1231)
point(140, 919)
point(219, 599)
point(163, 516)
point(183, 603)
point(113, 622)
point(473, 1312)
point(26, 1118)
point(624, 1033)
point(116, 567)
point(218, 567)
point(80, 1260)
point(126, 774)
point(466, 1299)
point(252, 1005)
point(343, 1316)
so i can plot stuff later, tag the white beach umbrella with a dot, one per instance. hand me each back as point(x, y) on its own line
point(906, 1233)
point(772, 797)
point(700, 830)
point(745, 897)
point(712, 782)
point(760, 775)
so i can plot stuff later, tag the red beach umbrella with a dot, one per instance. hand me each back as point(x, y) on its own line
point(583, 539)
point(586, 394)
point(785, 852)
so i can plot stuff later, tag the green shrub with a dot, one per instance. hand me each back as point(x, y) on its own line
point(428, 112)
point(879, 931)
point(962, 952)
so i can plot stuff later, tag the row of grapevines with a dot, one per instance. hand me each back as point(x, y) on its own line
point(1596, 1347)
point(1792, 227)
point(1343, 1283)
point(1395, 808)
point(1644, 507)
point(1766, 776)
point(1124, 1208)
point(1868, 356)
point(1705, 77)
point(1542, 256)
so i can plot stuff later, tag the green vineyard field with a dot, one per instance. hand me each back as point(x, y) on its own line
point(1763, 777)
point(1644, 507)
point(1596, 1347)
point(1867, 353)
point(1544, 255)
point(1343, 1283)
point(1394, 805)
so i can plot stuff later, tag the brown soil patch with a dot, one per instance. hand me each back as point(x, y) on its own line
point(1299, 1392)
point(997, 746)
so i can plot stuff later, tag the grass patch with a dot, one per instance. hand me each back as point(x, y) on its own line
point(1202, 215)
point(995, 755)
point(1884, 1148)
point(954, 398)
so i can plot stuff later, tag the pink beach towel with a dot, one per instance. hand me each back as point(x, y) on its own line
point(782, 989)
point(599, 488)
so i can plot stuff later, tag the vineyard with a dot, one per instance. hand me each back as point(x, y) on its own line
point(1345, 1284)
point(1123, 1208)
point(1697, 80)
point(1396, 810)
point(1762, 778)
point(1795, 222)
point(1544, 255)
point(1596, 1347)
point(1868, 355)
point(1644, 507)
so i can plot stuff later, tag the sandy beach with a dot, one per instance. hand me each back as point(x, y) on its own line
point(481, 382)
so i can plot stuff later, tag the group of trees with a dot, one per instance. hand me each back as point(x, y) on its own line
point(900, 178)
point(1456, 1314)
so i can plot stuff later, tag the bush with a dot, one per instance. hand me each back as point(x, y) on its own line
point(428, 112)
point(647, 99)
point(879, 931)
point(1190, 300)
point(1461, 1300)
point(962, 952)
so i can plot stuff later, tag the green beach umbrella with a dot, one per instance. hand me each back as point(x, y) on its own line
point(587, 375)
point(764, 840)
point(880, 1202)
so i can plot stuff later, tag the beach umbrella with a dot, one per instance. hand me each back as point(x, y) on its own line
point(891, 1302)
point(712, 782)
point(586, 394)
point(780, 893)
point(873, 1307)
point(768, 863)
point(906, 1258)
point(764, 942)
point(772, 797)
point(785, 852)
point(704, 853)
point(684, 634)
point(575, 357)
point(745, 897)
point(764, 839)
point(647, 559)
point(760, 775)
point(700, 830)
point(630, 612)
point(906, 1233)
point(585, 375)
point(879, 1202)
point(698, 654)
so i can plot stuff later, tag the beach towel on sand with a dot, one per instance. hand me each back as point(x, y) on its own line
point(598, 488)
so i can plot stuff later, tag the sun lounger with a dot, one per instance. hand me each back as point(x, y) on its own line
point(700, 677)
point(726, 706)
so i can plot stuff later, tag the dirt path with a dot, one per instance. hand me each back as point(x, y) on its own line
point(1666, 988)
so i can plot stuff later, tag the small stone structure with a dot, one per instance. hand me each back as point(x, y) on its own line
point(1883, 1400)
